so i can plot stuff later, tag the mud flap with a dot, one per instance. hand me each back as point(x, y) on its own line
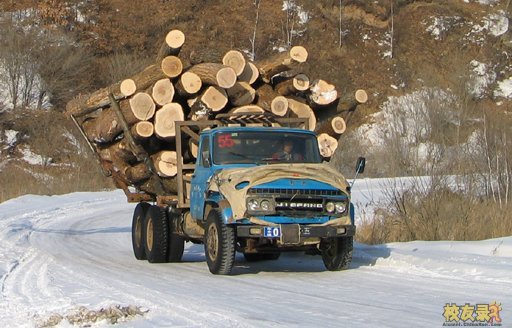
point(290, 234)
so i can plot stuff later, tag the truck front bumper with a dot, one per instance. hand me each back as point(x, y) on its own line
point(296, 233)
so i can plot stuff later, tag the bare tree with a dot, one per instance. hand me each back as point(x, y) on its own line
point(252, 39)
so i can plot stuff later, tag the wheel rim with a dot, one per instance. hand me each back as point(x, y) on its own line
point(138, 232)
point(212, 242)
point(149, 234)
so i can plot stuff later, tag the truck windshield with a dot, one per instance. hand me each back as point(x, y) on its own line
point(265, 147)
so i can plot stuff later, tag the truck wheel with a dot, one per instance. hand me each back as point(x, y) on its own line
point(219, 244)
point(156, 228)
point(138, 236)
point(255, 257)
point(337, 253)
point(176, 242)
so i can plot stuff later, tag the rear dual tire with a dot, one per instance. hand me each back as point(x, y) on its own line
point(152, 235)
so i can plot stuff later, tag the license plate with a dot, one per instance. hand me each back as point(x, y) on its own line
point(272, 232)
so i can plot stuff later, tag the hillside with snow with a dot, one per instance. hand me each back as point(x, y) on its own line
point(68, 259)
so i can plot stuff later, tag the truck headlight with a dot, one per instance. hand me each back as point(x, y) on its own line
point(265, 205)
point(340, 207)
point(253, 205)
point(330, 207)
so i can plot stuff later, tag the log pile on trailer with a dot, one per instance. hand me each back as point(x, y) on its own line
point(130, 125)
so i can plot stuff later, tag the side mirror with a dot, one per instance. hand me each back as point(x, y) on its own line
point(361, 163)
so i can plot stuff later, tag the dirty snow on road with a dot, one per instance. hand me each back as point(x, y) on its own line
point(63, 253)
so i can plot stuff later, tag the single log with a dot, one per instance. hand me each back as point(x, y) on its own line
point(198, 56)
point(171, 66)
point(137, 173)
point(241, 94)
point(166, 163)
point(188, 84)
point(174, 40)
point(213, 99)
point(322, 93)
point(152, 185)
point(350, 100)
point(298, 83)
point(271, 101)
point(165, 119)
point(334, 126)
point(302, 110)
point(142, 130)
point(236, 60)
point(106, 126)
point(83, 105)
point(163, 92)
point(281, 62)
point(142, 105)
point(250, 74)
point(128, 87)
point(327, 145)
point(119, 152)
point(215, 74)
point(249, 109)
point(253, 109)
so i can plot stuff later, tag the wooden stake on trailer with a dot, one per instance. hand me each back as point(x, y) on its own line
point(138, 151)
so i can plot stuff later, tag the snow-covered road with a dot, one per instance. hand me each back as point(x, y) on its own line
point(61, 252)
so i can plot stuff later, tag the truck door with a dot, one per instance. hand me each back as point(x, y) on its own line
point(200, 179)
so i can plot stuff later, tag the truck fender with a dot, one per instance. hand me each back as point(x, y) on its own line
point(224, 208)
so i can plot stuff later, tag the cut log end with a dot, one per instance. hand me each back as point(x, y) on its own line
point(279, 106)
point(327, 145)
point(226, 77)
point(175, 39)
point(191, 82)
point(142, 130)
point(128, 87)
point(236, 60)
point(215, 98)
point(165, 119)
point(299, 54)
point(361, 96)
point(142, 105)
point(301, 82)
point(163, 92)
point(172, 66)
point(339, 125)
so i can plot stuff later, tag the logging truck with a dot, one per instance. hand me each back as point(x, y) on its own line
point(225, 152)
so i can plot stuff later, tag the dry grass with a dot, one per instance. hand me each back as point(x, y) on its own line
point(443, 215)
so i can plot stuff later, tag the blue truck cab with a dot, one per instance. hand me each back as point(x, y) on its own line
point(265, 190)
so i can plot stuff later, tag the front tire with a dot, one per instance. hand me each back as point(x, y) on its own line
point(337, 252)
point(156, 228)
point(219, 244)
point(138, 235)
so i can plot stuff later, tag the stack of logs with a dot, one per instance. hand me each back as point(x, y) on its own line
point(195, 87)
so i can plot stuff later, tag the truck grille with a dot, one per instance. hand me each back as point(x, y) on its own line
point(294, 192)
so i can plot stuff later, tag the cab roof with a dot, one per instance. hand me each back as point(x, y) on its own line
point(255, 129)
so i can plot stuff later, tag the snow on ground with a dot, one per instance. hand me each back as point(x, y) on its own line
point(504, 89)
point(60, 255)
point(482, 76)
point(32, 158)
